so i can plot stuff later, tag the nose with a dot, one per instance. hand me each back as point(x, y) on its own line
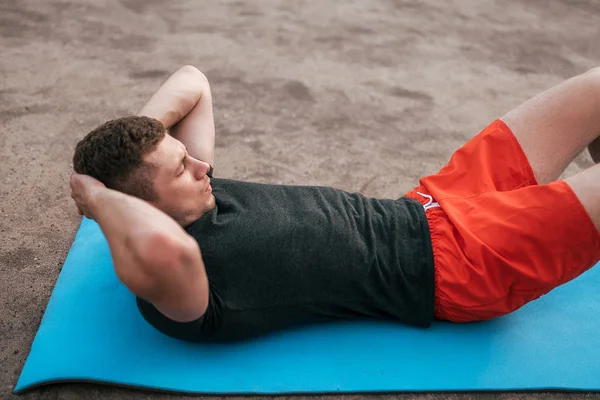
point(201, 168)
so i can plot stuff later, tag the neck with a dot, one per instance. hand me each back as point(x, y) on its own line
point(188, 219)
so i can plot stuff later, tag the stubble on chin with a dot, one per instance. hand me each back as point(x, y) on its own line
point(211, 203)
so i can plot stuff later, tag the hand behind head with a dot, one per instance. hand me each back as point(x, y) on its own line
point(83, 188)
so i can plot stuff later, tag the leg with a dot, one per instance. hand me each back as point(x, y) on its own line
point(514, 246)
point(586, 186)
point(594, 149)
point(499, 240)
point(557, 125)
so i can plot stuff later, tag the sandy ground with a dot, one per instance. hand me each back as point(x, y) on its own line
point(361, 95)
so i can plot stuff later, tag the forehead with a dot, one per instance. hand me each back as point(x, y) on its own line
point(167, 151)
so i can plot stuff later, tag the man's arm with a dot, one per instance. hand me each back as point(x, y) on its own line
point(184, 106)
point(152, 255)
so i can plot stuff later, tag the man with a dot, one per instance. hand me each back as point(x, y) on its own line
point(215, 259)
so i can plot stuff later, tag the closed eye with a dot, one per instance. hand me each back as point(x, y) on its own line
point(181, 169)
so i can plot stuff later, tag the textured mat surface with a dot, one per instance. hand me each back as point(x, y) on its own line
point(92, 331)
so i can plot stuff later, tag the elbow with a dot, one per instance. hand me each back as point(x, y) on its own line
point(189, 69)
point(592, 76)
point(194, 73)
point(160, 252)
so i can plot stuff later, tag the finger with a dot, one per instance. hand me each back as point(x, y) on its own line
point(72, 179)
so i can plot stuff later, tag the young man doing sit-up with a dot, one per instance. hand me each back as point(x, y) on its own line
point(217, 259)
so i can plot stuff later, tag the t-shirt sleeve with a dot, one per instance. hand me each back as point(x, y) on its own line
point(189, 331)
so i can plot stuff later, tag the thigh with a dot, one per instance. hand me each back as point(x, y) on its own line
point(517, 246)
point(586, 186)
point(492, 161)
point(556, 125)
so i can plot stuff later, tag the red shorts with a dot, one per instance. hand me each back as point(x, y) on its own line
point(499, 239)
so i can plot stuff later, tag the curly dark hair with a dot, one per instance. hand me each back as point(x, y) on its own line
point(113, 154)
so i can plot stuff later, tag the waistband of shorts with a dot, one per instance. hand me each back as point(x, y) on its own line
point(434, 215)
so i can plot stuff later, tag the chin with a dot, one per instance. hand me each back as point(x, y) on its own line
point(195, 213)
point(210, 203)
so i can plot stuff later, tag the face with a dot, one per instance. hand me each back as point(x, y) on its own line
point(181, 182)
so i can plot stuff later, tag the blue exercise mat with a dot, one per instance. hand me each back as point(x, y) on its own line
point(92, 331)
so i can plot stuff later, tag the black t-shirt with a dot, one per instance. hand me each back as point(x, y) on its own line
point(278, 256)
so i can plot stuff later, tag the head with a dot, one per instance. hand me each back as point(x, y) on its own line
point(134, 155)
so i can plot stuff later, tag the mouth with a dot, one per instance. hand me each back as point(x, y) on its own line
point(208, 188)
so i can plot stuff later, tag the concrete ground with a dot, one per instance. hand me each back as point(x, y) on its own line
point(363, 95)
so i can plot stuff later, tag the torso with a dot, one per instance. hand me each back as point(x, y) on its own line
point(278, 256)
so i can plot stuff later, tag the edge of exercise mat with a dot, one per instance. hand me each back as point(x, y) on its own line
point(19, 388)
point(85, 228)
point(107, 383)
